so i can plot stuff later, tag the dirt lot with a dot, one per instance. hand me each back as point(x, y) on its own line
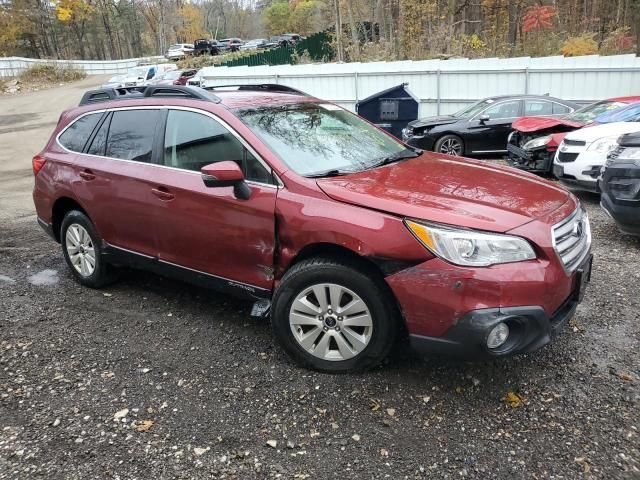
point(152, 378)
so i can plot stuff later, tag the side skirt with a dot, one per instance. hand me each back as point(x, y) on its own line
point(122, 257)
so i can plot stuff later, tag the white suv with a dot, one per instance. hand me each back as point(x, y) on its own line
point(583, 152)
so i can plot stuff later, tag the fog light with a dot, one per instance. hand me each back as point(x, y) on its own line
point(498, 335)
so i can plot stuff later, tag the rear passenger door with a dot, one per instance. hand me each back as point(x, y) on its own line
point(115, 178)
point(209, 229)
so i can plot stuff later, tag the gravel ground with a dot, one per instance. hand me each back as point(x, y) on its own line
point(152, 378)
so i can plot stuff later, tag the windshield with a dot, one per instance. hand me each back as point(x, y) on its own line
point(471, 110)
point(630, 113)
point(589, 113)
point(312, 138)
point(172, 75)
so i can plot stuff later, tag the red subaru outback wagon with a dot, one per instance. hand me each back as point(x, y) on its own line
point(343, 235)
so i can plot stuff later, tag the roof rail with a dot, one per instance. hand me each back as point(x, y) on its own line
point(263, 87)
point(146, 91)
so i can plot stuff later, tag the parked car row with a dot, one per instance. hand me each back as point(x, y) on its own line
point(204, 46)
point(140, 75)
point(593, 148)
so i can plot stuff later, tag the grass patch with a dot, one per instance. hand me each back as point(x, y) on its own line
point(52, 73)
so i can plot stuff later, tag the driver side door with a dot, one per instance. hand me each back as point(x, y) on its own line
point(490, 136)
point(209, 231)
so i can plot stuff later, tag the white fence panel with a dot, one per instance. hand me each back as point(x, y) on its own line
point(444, 86)
point(14, 66)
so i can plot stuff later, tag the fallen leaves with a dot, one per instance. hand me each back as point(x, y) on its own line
point(513, 400)
point(144, 426)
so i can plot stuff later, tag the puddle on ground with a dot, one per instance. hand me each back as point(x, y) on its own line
point(5, 279)
point(44, 278)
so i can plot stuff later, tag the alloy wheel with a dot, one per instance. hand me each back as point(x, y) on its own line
point(330, 322)
point(451, 146)
point(80, 249)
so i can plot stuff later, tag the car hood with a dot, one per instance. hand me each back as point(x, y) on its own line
point(534, 124)
point(433, 121)
point(444, 189)
point(592, 133)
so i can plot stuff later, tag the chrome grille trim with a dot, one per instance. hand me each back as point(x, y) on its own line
point(572, 239)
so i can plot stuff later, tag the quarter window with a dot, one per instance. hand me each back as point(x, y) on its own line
point(503, 110)
point(75, 137)
point(193, 140)
point(538, 107)
point(131, 134)
point(99, 142)
point(560, 109)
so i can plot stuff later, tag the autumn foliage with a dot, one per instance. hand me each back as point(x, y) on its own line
point(539, 17)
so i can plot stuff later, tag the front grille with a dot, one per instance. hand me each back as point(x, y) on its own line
point(565, 157)
point(518, 152)
point(574, 143)
point(614, 154)
point(572, 239)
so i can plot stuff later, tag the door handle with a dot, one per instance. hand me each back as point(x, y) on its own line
point(87, 175)
point(163, 194)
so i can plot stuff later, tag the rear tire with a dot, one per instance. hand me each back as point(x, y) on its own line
point(82, 250)
point(334, 316)
point(450, 145)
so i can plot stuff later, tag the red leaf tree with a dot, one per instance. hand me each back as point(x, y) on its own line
point(539, 17)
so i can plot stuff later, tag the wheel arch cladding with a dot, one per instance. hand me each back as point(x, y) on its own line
point(60, 208)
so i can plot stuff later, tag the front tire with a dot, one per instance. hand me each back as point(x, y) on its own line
point(82, 250)
point(450, 145)
point(334, 315)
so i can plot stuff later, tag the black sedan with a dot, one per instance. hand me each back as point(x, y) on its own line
point(482, 128)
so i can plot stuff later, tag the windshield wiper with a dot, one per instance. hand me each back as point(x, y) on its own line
point(402, 155)
point(334, 172)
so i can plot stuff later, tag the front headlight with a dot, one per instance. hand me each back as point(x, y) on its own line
point(470, 248)
point(604, 145)
point(537, 142)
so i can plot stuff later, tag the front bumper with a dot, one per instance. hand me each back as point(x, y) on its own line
point(581, 173)
point(534, 161)
point(530, 329)
point(626, 216)
point(423, 142)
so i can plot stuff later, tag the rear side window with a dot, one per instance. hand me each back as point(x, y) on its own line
point(538, 107)
point(75, 136)
point(131, 134)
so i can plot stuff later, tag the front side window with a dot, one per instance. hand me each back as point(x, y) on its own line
point(503, 110)
point(76, 135)
point(193, 140)
point(131, 134)
point(312, 138)
point(560, 109)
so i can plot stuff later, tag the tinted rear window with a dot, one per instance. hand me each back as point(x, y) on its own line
point(75, 137)
point(131, 134)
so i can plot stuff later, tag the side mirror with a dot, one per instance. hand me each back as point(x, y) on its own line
point(484, 118)
point(226, 174)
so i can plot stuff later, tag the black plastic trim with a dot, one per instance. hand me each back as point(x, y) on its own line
point(122, 257)
point(47, 227)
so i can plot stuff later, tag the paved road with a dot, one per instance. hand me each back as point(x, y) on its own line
point(153, 378)
point(26, 122)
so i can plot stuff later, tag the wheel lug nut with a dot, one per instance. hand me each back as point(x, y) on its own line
point(325, 329)
point(340, 318)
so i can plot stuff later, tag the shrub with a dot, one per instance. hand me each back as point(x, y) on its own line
point(49, 72)
point(580, 45)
